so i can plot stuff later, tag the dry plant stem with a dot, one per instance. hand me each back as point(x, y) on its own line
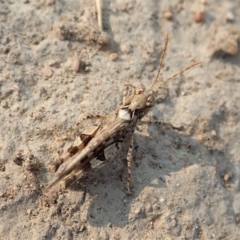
point(99, 6)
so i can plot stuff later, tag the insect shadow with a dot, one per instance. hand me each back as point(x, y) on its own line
point(158, 155)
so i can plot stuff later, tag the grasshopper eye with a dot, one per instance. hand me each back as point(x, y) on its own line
point(150, 100)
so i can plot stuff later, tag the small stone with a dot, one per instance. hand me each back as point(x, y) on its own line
point(199, 17)
point(5, 104)
point(230, 16)
point(229, 46)
point(50, 2)
point(124, 7)
point(47, 72)
point(82, 228)
point(2, 167)
point(54, 63)
point(162, 200)
point(76, 64)
point(18, 159)
point(149, 208)
point(86, 68)
point(113, 56)
point(223, 41)
point(213, 133)
point(6, 75)
point(29, 211)
point(126, 48)
point(53, 167)
point(237, 218)
point(52, 197)
point(168, 15)
point(200, 137)
point(105, 39)
point(226, 177)
point(138, 211)
point(31, 164)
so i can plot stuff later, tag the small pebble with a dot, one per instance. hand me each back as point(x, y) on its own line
point(6, 75)
point(29, 211)
point(127, 48)
point(149, 208)
point(213, 133)
point(52, 197)
point(87, 69)
point(105, 39)
point(230, 16)
point(54, 63)
point(50, 2)
point(226, 177)
point(199, 17)
point(124, 7)
point(76, 64)
point(18, 159)
point(138, 211)
point(4, 104)
point(168, 15)
point(2, 167)
point(113, 56)
point(82, 228)
point(47, 72)
point(200, 137)
point(229, 46)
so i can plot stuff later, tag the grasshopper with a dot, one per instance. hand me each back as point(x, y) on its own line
point(117, 127)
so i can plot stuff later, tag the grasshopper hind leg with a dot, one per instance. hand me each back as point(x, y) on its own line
point(74, 176)
point(129, 165)
point(78, 172)
point(127, 150)
point(85, 138)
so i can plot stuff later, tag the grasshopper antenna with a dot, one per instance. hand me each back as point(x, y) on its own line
point(161, 62)
point(180, 72)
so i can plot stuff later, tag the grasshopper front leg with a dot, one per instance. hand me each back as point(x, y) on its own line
point(163, 123)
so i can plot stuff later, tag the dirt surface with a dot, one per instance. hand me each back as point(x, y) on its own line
point(57, 67)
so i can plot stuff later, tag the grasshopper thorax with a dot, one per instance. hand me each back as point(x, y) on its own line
point(140, 104)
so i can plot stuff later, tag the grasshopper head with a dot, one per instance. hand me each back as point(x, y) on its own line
point(142, 100)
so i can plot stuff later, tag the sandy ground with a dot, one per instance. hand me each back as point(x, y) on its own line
point(57, 67)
